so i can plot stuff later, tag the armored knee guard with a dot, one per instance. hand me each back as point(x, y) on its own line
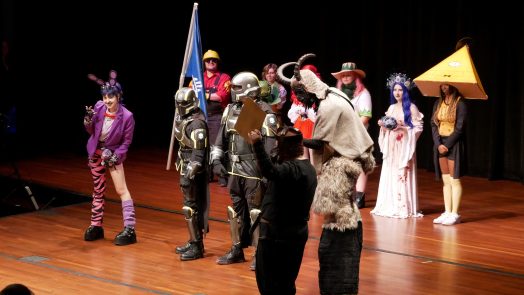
point(191, 216)
point(234, 224)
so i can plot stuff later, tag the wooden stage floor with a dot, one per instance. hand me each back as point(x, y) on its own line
point(45, 249)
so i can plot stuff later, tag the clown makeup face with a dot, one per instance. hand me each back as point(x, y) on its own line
point(111, 102)
point(348, 78)
point(398, 92)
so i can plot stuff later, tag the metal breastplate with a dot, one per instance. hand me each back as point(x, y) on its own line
point(184, 151)
point(180, 131)
point(241, 155)
point(232, 117)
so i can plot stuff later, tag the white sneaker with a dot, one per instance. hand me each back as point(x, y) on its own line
point(441, 218)
point(453, 218)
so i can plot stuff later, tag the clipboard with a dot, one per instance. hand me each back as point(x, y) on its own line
point(251, 117)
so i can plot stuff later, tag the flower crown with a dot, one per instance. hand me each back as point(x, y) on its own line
point(400, 78)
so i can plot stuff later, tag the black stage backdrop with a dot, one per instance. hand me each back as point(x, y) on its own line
point(53, 46)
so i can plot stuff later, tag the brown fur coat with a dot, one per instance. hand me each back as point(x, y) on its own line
point(333, 196)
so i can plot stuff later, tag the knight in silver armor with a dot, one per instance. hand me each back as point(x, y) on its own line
point(192, 134)
point(246, 185)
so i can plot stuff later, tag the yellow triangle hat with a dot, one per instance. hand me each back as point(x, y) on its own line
point(457, 70)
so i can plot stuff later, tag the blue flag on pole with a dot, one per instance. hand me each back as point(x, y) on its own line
point(194, 66)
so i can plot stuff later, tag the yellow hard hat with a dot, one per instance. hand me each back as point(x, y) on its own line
point(211, 54)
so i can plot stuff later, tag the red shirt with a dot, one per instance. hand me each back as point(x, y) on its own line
point(222, 88)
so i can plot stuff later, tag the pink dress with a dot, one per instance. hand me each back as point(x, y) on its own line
point(397, 190)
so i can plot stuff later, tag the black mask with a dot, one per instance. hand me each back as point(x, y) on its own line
point(349, 89)
point(308, 99)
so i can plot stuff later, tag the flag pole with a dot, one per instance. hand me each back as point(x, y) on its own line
point(189, 45)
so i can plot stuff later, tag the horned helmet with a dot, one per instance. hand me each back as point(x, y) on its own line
point(299, 85)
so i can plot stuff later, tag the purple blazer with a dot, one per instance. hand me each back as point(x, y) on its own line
point(120, 136)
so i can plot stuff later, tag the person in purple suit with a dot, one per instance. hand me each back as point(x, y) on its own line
point(110, 126)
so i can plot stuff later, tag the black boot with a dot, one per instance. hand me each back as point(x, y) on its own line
point(183, 248)
point(234, 255)
point(360, 199)
point(94, 233)
point(195, 251)
point(126, 237)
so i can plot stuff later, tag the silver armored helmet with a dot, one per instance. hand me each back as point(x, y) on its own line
point(186, 101)
point(244, 84)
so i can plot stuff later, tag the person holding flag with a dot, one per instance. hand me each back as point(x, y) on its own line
point(217, 87)
point(191, 68)
point(211, 86)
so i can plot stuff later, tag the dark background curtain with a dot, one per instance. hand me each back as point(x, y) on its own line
point(53, 46)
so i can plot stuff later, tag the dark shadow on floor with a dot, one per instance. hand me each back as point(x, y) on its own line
point(18, 197)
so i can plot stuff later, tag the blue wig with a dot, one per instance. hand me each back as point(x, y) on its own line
point(406, 102)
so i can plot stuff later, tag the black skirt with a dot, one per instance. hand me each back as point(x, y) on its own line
point(339, 258)
point(456, 153)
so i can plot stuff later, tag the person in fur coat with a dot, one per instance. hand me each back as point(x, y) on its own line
point(342, 150)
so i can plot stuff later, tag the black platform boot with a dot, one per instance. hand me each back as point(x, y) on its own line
point(125, 237)
point(94, 233)
point(195, 251)
point(234, 255)
point(360, 199)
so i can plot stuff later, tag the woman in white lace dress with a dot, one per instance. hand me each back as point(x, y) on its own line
point(397, 191)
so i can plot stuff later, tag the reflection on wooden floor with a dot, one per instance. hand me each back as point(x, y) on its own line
point(45, 249)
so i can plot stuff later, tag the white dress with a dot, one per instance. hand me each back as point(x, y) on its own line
point(397, 190)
